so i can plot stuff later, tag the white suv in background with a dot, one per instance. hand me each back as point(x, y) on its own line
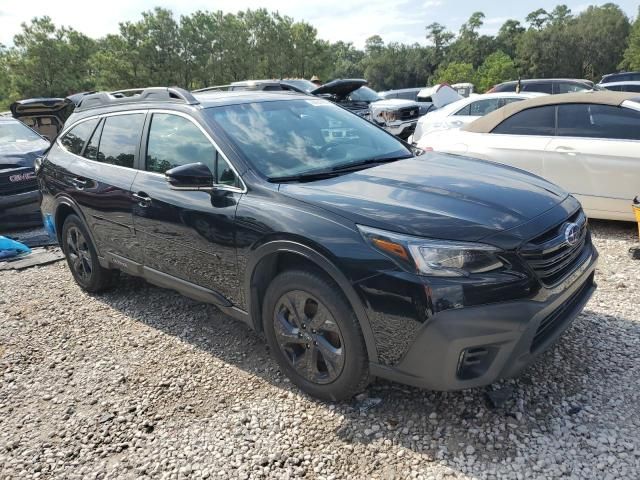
point(464, 111)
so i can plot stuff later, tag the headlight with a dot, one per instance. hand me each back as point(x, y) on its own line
point(385, 116)
point(438, 258)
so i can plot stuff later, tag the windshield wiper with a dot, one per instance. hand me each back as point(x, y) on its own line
point(337, 170)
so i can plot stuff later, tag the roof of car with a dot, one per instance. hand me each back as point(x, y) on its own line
point(399, 90)
point(487, 123)
point(537, 80)
point(621, 82)
point(217, 98)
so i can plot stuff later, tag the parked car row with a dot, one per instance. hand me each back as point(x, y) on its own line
point(588, 143)
point(357, 256)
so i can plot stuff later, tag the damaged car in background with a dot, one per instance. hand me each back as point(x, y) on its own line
point(20, 146)
point(397, 116)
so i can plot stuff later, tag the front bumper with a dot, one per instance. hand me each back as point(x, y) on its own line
point(475, 346)
point(402, 129)
point(20, 210)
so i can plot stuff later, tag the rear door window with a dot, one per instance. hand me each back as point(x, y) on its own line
point(570, 87)
point(598, 121)
point(76, 138)
point(482, 107)
point(120, 139)
point(542, 87)
point(533, 121)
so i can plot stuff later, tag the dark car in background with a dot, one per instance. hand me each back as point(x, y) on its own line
point(357, 256)
point(20, 146)
point(621, 77)
point(622, 86)
point(552, 86)
point(46, 115)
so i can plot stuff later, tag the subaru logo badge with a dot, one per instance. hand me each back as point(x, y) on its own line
point(572, 233)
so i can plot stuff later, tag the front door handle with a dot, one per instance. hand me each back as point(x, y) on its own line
point(142, 199)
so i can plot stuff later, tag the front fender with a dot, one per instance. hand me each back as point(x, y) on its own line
point(274, 247)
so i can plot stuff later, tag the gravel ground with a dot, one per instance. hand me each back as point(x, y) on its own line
point(143, 383)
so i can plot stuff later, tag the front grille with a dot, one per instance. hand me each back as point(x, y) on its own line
point(9, 187)
point(550, 324)
point(551, 256)
point(409, 113)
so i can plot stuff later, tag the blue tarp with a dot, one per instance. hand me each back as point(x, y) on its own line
point(10, 248)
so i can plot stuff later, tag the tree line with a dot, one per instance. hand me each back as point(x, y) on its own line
point(213, 48)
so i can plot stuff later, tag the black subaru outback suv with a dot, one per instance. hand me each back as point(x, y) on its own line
point(356, 256)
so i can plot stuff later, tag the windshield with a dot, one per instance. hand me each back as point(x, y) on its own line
point(294, 137)
point(364, 94)
point(17, 132)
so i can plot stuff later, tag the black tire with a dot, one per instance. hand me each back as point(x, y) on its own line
point(323, 327)
point(83, 259)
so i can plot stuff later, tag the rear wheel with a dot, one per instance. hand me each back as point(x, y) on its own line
point(315, 336)
point(82, 257)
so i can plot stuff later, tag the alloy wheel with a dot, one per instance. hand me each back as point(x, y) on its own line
point(79, 254)
point(309, 337)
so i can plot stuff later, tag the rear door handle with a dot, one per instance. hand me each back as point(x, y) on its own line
point(567, 150)
point(79, 183)
point(142, 198)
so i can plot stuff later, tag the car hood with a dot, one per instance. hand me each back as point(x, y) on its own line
point(21, 154)
point(340, 87)
point(434, 195)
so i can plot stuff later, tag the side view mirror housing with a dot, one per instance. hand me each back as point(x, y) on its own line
point(193, 176)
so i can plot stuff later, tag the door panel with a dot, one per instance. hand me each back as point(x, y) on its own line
point(101, 189)
point(187, 234)
point(603, 173)
point(520, 151)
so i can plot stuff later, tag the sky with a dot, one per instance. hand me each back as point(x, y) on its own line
point(348, 20)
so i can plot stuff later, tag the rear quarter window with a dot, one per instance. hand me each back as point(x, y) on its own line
point(598, 121)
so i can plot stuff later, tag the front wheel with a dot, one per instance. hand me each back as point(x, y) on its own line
point(315, 336)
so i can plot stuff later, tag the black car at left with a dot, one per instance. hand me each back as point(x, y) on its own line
point(20, 146)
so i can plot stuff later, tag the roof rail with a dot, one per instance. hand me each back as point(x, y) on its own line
point(137, 95)
point(213, 88)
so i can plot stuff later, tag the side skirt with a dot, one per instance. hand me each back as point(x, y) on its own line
point(184, 287)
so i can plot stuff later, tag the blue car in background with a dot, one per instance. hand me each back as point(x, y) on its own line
point(19, 196)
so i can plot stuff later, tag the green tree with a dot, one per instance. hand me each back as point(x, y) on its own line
point(49, 61)
point(508, 37)
point(456, 73)
point(497, 68)
point(631, 58)
point(440, 37)
point(602, 36)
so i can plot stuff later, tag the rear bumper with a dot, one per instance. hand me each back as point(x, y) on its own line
point(475, 346)
point(20, 210)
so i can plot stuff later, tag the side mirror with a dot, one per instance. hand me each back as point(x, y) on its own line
point(193, 176)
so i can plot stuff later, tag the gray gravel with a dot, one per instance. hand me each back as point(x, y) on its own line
point(143, 383)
